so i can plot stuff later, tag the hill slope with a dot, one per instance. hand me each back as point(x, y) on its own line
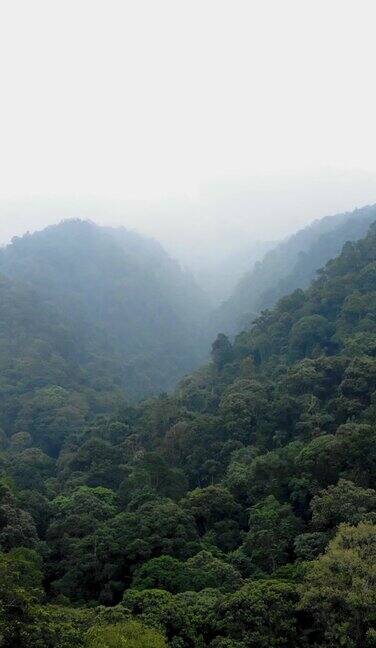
point(239, 511)
point(110, 300)
point(291, 264)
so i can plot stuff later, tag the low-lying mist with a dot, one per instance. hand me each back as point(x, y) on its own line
point(216, 234)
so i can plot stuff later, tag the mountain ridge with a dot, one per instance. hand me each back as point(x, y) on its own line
point(281, 270)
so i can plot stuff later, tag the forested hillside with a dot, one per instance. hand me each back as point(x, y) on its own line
point(106, 307)
point(291, 264)
point(238, 512)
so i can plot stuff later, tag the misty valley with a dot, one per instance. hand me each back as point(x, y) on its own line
point(183, 463)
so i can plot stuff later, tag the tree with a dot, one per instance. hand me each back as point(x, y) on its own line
point(99, 462)
point(200, 572)
point(244, 406)
point(261, 614)
point(165, 572)
point(343, 502)
point(308, 333)
point(31, 468)
point(17, 527)
point(20, 592)
point(210, 506)
point(222, 351)
point(273, 527)
point(131, 634)
point(322, 460)
point(81, 512)
point(159, 527)
point(339, 589)
point(307, 546)
point(77, 519)
point(150, 470)
point(207, 571)
point(187, 619)
point(50, 414)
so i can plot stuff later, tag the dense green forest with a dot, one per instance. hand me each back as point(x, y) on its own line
point(238, 511)
point(291, 264)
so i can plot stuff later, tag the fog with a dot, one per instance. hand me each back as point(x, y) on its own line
point(227, 218)
point(208, 125)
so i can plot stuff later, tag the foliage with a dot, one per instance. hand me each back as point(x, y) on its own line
point(261, 614)
point(238, 511)
point(131, 634)
point(339, 588)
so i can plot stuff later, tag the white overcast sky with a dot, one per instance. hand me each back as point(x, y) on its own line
point(186, 119)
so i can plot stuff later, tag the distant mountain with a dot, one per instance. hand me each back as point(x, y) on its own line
point(292, 264)
point(219, 276)
point(120, 299)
